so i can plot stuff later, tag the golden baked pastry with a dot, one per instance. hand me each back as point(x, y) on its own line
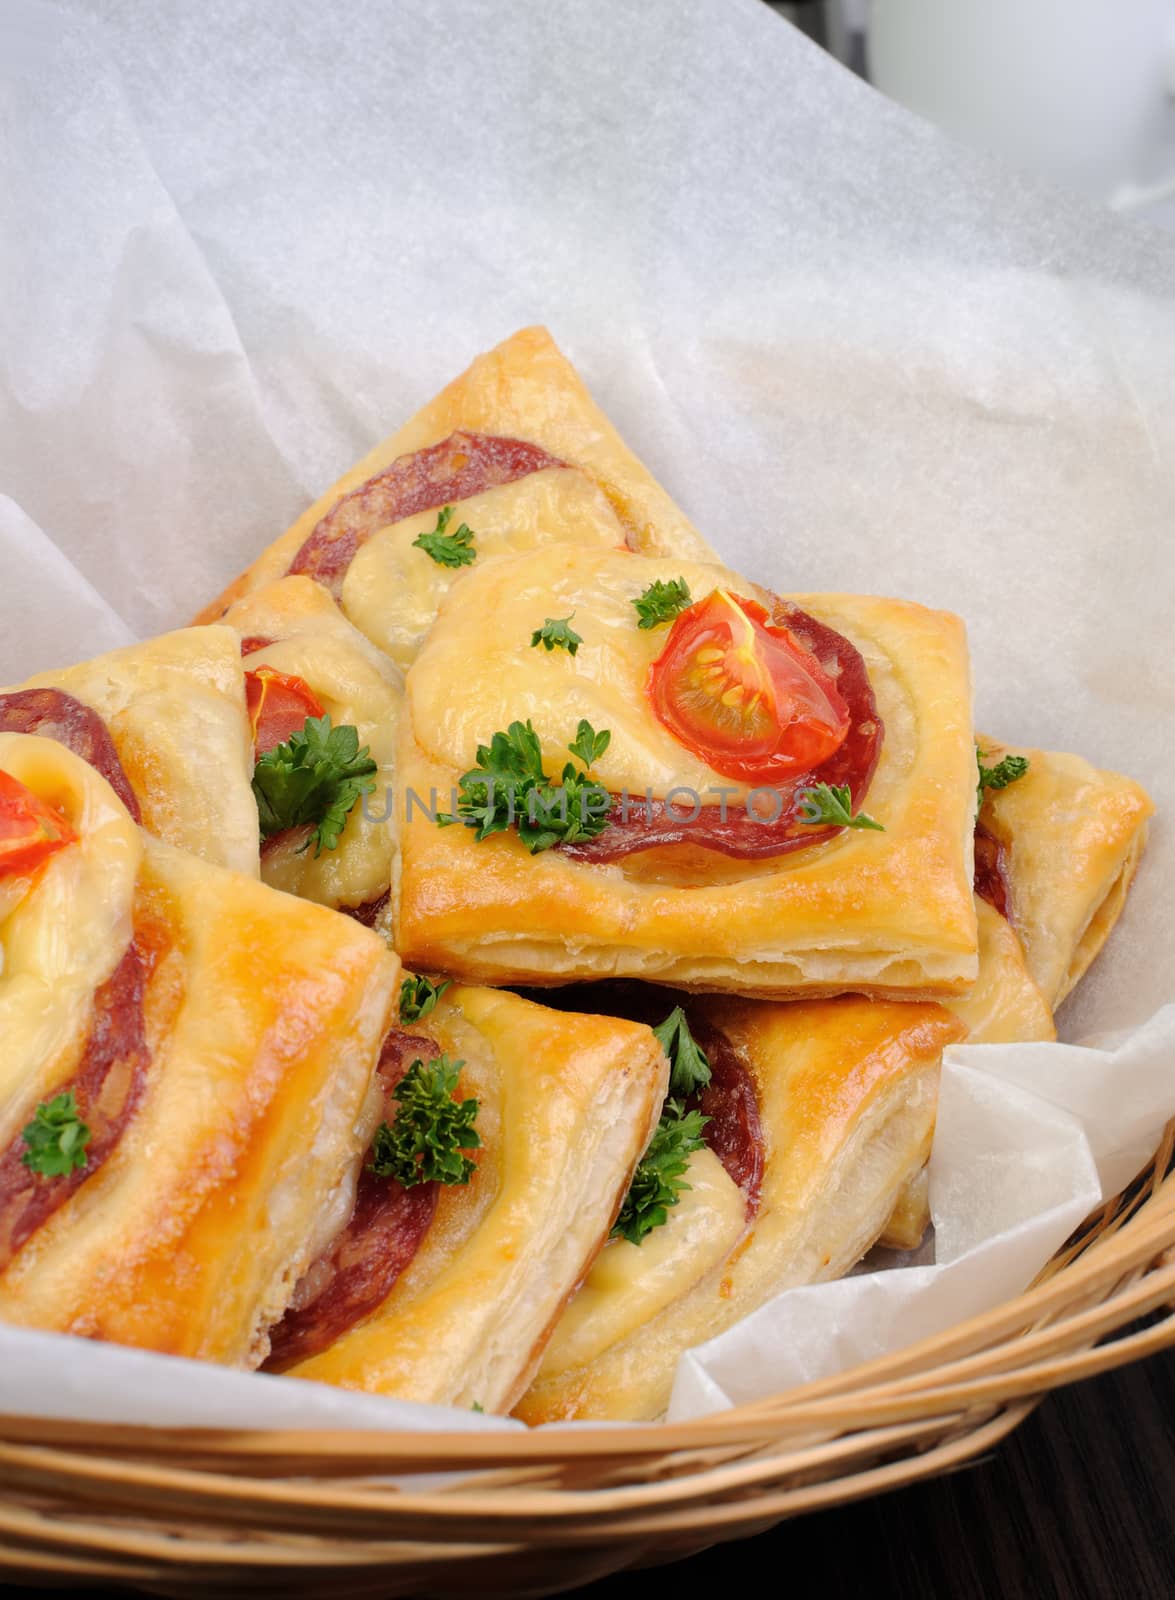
point(1005, 1006)
point(186, 1054)
point(479, 1271)
point(1057, 850)
point(1067, 842)
point(521, 451)
point(887, 912)
point(293, 628)
point(844, 1096)
point(165, 723)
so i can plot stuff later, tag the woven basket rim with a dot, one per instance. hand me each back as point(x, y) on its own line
point(181, 1511)
point(1018, 1324)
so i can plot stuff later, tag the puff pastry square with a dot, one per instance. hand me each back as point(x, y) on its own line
point(1071, 837)
point(220, 1040)
point(1066, 812)
point(519, 448)
point(1005, 1006)
point(174, 709)
point(294, 627)
point(846, 1093)
point(567, 1105)
point(886, 913)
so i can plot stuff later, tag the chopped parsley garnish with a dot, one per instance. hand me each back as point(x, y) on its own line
point(448, 549)
point(832, 804)
point(557, 633)
point(418, 996)
point(658, 1182)
point(314, 778)
point(689, 1068)
point(589, 745)
point(56, 1137)
point(999, 776)
point(661, 602)
point(508, 787)
point(431, 1132)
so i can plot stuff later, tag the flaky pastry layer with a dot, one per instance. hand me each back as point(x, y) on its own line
point(175, 708)
point(263, 1016)
point(567, 1104)
point(885, 913)
point(847, 1091)
point(524, 388)
point(357, 686)
point(1073, 837)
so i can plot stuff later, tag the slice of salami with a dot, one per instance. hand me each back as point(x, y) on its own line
point(357, 1273)
point(464, 464)
point(108, 1086)
point(56, 715)
point(730, 1099)
point(734, 830)
point(253, 642)
point(991, 874)
point(370, 911)
point(734, 1131)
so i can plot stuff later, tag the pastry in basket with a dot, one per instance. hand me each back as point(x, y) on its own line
point(762, 795)
point(510, 1134)
point(819, 1112)
point(164, 722)
point(186, 1054)
point(304, 661)
point(1057, 847)
point(512, 454)
point(1005, 1006)
point(1057, 844)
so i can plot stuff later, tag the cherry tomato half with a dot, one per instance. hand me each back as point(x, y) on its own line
point(278, 706)
point(30, 829)
point(743, 694)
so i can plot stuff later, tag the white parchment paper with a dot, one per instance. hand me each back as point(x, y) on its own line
point(240, 243)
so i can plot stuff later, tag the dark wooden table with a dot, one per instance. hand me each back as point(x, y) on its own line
point(1079, 1504)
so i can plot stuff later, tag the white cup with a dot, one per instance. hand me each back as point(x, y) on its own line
point(1070, 88)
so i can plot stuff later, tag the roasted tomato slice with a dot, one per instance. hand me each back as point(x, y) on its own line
point(30, 829)
point(743, 694)
point(278, 706)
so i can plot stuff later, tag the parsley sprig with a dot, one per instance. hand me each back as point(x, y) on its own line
point(418, 996)
point(689, 1066)
point(315, 777)
point(658, 1182)
point(832, 804)
point(56, 1137)
point(448, 549)
point(557, 633)
point(999, 776)
point(508, 787)
point(661, 602)
point(431, 1131)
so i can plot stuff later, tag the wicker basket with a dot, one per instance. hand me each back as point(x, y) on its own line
point(300, 1513)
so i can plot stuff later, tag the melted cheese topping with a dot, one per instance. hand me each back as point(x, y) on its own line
point(629, 1284)
point(65, 933)
point(392, 590)
point(481, 646)
point(355, 685)
point(175, 708)
point(481, 643)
